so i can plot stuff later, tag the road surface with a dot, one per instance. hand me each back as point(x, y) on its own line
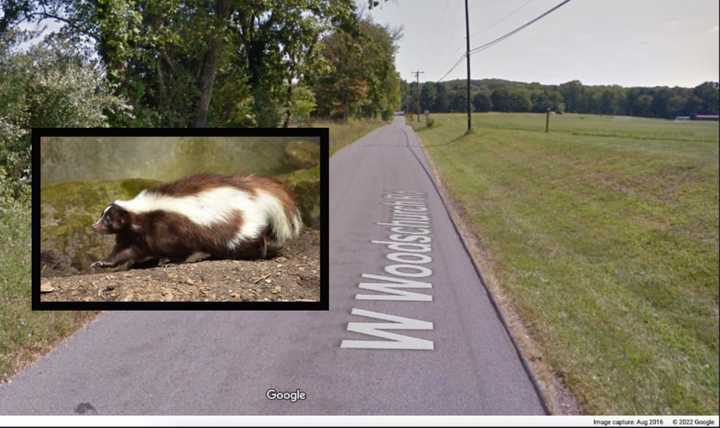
point(419, 337)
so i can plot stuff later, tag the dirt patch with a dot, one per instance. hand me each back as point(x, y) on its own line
point(556, 395)
point(292, 275)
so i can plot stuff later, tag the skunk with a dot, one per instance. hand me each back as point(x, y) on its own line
point(226, 217)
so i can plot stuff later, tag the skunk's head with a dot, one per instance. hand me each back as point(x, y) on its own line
point(114, 219)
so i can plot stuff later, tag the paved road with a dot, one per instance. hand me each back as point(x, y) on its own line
point(460, 360)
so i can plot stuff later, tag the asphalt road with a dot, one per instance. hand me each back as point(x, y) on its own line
point(462, 361)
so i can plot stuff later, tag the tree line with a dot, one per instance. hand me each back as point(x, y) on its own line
point(573, 97)
point(188, 63)
point(223, 62)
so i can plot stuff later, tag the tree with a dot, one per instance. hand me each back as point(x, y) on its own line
point(511, 99)
point(342, 85)
point(380, 44)
point(458, 102)
point(573, 96)
point(482, 102)
point(521, 101)
point(642, 106)
point(427, 96)
point(693, 105)
point(676, 106)
point(360, 77)
point(540, 102)
point(405, 95)
point(50, 85)
point(302, 105)
point(501, 99)
point(440, 103)
point(609, 100)
point(167, 56)
point(572, 92)
point(556, 99)
point(660, 103)
point(708, 93)
point(391, 92)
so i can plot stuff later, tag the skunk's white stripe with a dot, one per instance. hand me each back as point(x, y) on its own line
point(103, 214)
point(274, 210)
point(205, 208)
point(219, 204)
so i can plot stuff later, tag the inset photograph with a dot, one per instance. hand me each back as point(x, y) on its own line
point(161, 221)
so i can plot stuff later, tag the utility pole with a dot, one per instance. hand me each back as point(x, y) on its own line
point(547, 120)
point(467, 55)
point(417, 76)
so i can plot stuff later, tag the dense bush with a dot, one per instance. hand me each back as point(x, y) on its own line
point(49, 85)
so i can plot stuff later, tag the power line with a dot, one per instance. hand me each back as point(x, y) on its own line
point(525, 25)
point(452, 68)
point(504, 18)
point(503, 37)
point(500, 21)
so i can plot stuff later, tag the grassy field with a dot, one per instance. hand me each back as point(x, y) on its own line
point(24, 334)
point(604, 234)
point(342, 134)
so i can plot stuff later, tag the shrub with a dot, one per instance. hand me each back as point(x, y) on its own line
point(50, 85)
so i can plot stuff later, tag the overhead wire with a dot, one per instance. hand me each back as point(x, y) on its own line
point(504, 18)
point(518, 29)
point(497, 40)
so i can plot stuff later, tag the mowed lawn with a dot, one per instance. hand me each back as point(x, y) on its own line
point(604, 234)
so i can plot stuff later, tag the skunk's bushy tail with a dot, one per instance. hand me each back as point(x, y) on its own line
point(283, 215)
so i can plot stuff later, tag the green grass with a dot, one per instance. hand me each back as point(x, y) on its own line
point(24, 334)
point(604, 233)
point(342, 134)
point(68, 209)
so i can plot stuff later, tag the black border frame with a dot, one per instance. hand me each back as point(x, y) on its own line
point(321, 133)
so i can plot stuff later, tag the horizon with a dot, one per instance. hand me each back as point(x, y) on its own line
point(700, 26)
point(643, 43)
point(462, 80)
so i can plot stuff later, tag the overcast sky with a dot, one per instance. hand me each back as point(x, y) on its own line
point(626, 42)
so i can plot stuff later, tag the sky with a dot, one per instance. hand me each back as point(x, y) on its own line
point(625, 42)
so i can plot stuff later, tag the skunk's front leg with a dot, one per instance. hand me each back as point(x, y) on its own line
point(117, 257)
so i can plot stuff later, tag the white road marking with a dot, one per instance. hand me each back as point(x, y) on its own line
point(409, 241)
point(391, 289)
point(396, 341)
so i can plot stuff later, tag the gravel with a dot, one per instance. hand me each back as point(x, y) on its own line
point(292, 275)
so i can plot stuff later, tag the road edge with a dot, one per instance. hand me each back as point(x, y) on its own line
point(557, 397)
point(37, 355)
